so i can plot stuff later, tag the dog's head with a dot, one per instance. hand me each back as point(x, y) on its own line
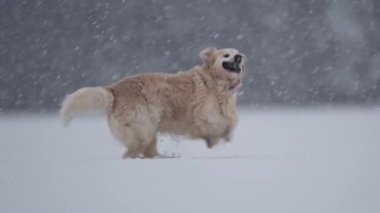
point(226, 64)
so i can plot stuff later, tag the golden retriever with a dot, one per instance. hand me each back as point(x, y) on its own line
point(198, 103)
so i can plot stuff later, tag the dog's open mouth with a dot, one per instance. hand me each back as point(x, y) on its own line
point(233, 66)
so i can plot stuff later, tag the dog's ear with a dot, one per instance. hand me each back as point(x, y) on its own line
point(208, 55)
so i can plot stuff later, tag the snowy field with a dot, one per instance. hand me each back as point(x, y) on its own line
point(280, 161)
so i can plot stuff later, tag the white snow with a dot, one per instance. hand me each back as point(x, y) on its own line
point(280, 161)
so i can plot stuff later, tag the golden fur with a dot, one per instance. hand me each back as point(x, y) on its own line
point(198, 103)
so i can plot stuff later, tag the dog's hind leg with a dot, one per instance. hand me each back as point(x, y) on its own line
point(133, 151)
point(138, 136)
point(151, 150)
point(140, 140)
point(127, 137)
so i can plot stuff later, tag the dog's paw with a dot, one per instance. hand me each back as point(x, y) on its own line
point(211, 142)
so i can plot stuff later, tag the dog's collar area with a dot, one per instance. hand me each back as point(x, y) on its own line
point(204, 79)
point(207, 82)
point(235, 86)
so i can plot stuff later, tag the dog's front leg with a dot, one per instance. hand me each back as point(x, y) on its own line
point(211, 141)
point(228, 132)
point(228, 136)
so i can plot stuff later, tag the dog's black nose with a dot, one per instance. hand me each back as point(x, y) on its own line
point(238, 58)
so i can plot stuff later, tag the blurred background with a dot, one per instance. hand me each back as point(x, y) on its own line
point(300, 52)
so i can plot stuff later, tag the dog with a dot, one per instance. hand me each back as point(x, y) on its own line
point(198, 103)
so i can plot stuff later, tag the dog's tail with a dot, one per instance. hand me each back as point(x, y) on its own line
point(87, 99)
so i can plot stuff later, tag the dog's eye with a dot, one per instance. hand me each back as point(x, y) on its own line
point(226, 55)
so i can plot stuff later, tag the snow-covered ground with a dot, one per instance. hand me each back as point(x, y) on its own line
point(280, 161)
